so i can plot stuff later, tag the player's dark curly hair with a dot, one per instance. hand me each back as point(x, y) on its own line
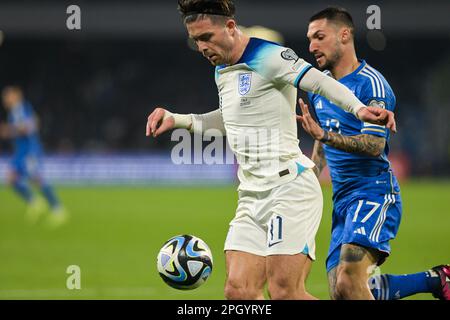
point(191, 10)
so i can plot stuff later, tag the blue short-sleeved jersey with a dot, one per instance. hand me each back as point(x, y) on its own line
point(26, 160)
point(352, 171)
point(367, 206)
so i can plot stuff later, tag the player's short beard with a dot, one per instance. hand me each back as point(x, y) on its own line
point(333, 60)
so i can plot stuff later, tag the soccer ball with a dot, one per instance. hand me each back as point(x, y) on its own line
point(185, 262)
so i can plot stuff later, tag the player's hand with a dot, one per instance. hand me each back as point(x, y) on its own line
point(308, 123)
point(156, 125)
point(378, 116)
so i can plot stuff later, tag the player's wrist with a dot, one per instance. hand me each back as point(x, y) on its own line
point(357, 109)
point(325, 137)
point(183, 121)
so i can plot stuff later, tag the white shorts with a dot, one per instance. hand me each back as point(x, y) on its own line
point(283, 220)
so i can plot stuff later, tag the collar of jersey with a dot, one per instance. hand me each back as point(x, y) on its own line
point(249, 52)
point(357, 70)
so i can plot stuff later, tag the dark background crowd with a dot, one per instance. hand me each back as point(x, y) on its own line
point(93, 88)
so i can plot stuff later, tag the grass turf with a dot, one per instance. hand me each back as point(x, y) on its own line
point(115, 233)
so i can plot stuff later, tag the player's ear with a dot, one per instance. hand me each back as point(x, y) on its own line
point(230, 25)
point(346, 35)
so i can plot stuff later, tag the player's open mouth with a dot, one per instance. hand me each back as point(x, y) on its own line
point(319, 56)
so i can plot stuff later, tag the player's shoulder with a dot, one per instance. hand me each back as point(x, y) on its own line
point(373, 82)
point(257, 54)
point(260, 53)
point(260, 47)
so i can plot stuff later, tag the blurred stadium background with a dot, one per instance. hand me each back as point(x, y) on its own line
point(93, 90)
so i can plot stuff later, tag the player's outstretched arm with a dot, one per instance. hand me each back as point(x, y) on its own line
point(162, 120)
point(366, 144)
point(319, 83)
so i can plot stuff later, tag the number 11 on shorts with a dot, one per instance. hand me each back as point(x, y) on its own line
point(275, 230)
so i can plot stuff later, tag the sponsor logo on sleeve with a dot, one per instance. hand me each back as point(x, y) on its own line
point(289, 54)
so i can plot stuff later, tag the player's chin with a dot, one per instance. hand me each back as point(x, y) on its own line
point(215, 60)
point(215, 63)
point(322, 65)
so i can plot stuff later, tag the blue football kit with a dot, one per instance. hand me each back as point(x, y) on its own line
point(27, 158)
point(366, 195)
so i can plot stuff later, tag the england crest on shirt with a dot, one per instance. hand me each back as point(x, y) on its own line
point(245, 83)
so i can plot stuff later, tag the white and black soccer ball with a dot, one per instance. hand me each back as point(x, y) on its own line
point(185, 262)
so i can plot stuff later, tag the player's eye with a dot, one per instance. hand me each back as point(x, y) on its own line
point(204, 37)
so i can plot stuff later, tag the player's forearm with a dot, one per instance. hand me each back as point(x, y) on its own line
point(365, 144)
point(211, 122)
point(318, 157)
point(319, 83)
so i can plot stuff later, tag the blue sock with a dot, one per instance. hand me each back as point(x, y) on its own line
point(392, 287)
point(50, 196)
point(23, 190)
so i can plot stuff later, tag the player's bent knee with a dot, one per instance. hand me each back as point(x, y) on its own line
point(236, 290)
point(344, 286)
point(349, 280)
point(281, 293)
point(284, 289)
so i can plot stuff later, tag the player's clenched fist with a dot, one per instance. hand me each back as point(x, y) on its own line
point(378, 116)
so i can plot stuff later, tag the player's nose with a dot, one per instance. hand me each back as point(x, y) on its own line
point(312, 47)
point(202, 47)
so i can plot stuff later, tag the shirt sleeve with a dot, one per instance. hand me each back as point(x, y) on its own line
point(283, 65)
point(374, 93)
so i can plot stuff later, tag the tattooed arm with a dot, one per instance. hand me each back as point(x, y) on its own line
point(318, 157)
point(365, 144)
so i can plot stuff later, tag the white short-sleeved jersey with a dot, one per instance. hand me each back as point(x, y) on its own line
point(257, 100)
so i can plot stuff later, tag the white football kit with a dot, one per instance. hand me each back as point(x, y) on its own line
point(280, 200)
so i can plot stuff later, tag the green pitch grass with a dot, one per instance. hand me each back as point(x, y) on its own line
point(115, 234)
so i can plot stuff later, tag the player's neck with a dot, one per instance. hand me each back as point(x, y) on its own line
point(241, 43)
point(346, 65)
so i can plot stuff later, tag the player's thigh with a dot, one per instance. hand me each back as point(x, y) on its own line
point(246, 233)
point(245, 271)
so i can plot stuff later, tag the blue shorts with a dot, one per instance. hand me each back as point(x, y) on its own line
point(369, 220)
point(27, 166)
